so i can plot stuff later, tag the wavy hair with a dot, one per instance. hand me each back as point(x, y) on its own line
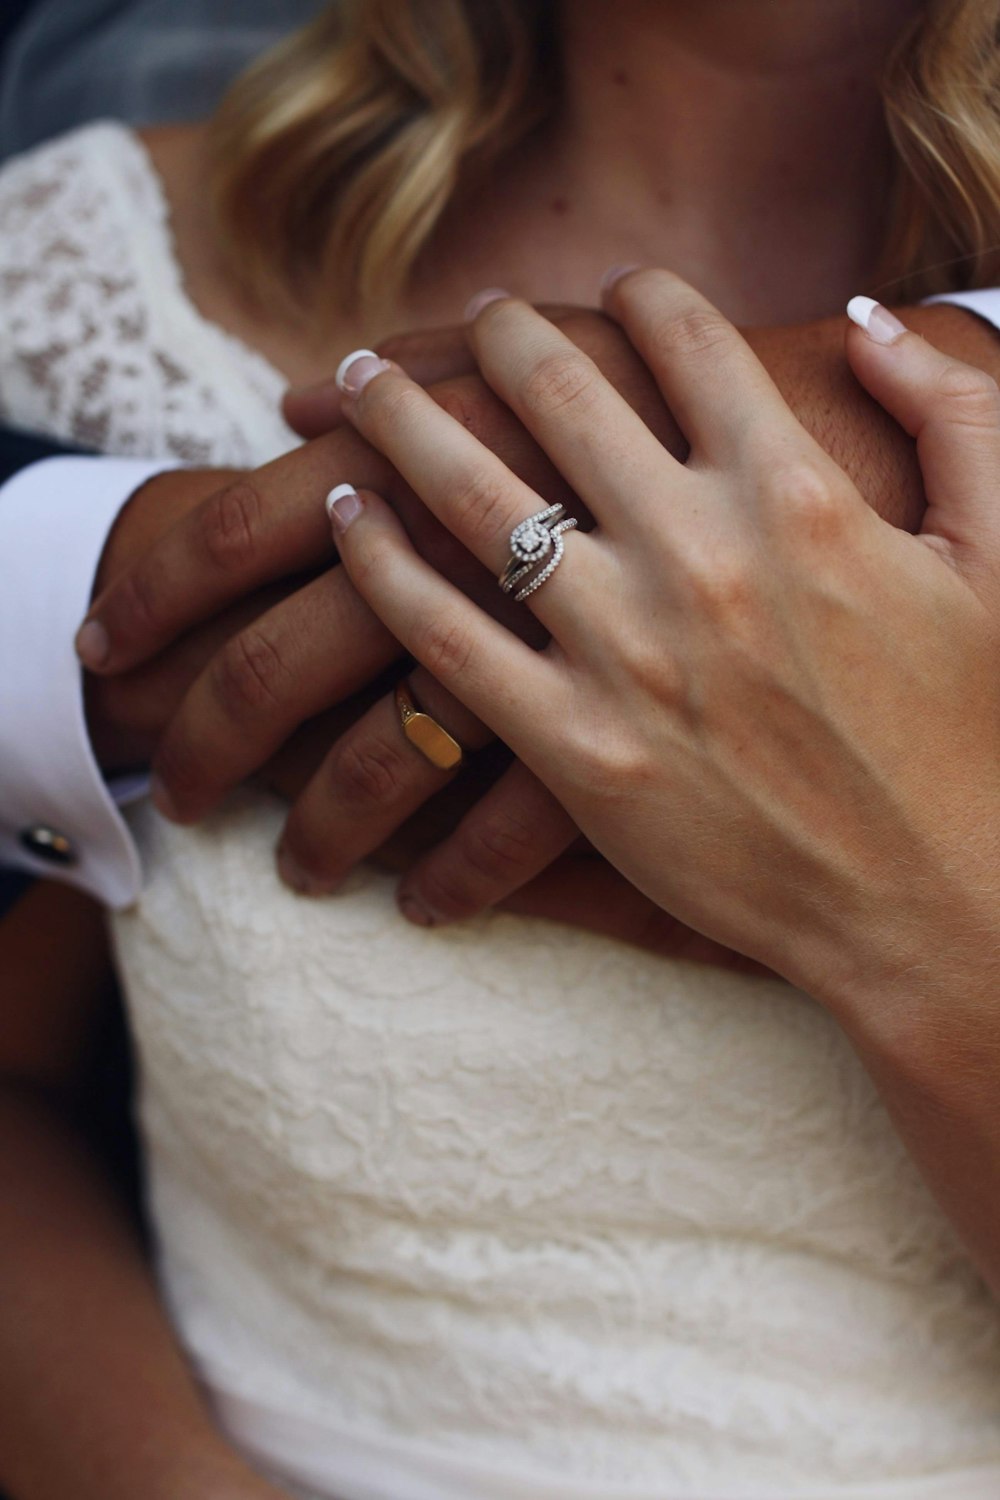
point(337, 153)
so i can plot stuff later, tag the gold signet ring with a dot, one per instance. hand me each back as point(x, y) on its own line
point(434, 743)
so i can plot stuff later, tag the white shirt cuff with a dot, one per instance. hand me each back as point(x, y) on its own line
point(55, 518)
point(985, 303)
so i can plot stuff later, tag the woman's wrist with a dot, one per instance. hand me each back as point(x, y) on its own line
point(920, 995)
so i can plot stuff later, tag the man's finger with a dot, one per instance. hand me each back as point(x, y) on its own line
point(258, 528)
point(369, 784)
point(511, 835)
point(282, 669)
point(127, 715)
point(428, 357)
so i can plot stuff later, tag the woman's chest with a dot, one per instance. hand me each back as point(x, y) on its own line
point(311, 1052)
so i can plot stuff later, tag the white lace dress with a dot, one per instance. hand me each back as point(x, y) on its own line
point(503, 1211)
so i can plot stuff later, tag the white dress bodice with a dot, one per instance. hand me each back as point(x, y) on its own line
point(508, 1202)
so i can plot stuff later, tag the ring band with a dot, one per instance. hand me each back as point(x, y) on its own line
point(426, 734)
point(536, 542)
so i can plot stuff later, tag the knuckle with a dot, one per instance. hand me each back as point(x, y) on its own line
point(445, 648)
point(699, 331)
point(561, 380)
point(499, 846)
point(367, 772)
point(368, 560)
point(393, 402)
point(249, 674)
point(616, 763)
point(481, 506)
point(231, 524)
point(972, 395)
point(721, 585)
point(806, 499)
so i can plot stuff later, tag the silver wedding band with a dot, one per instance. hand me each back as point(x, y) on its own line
point(536, 550)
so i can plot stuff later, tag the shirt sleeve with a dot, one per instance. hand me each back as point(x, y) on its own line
point(984, 303)
point(58, 816)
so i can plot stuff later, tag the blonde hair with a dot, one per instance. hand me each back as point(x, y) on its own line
point(337, 153)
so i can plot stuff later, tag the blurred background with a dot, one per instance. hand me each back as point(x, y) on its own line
point(68, 61)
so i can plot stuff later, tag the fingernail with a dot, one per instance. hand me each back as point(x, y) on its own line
point(93, 644)
point(882, 326)
point(298, 879)
point(475, 304)
point(614, 274)
point(415, 911)
point(162, 800)
point(344, 505)
point(354, 372)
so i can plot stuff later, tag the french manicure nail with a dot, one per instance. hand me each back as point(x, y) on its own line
point(881, 326)
point(343, 506)
point(354, 372)
point(414, 910)
point(92, 644)
point(614, 274)
point(475, 304)
point(162, 800)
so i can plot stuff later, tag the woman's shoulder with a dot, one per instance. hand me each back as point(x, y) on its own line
point(99, 342)
point(95, 170)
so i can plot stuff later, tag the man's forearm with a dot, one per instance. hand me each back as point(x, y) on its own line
point(95, 1398)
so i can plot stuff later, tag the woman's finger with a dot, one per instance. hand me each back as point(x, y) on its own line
point(513, 833)
point(487, 668)
point(953, 411)
point(428, 356)
point(595, 439)
point(714, 384)
point(372, 780)
point(466, 486)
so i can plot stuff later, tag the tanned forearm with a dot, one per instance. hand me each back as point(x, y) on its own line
point(96, 1400)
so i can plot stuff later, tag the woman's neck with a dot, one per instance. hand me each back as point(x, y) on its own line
point(761, 114)
point(742, 141)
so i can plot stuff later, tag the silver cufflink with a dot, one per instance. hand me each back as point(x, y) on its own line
point(48, 844)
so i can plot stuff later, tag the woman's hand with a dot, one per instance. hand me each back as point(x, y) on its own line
point(774, 713)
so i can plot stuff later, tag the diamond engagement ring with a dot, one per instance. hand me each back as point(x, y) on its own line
point(535, 543)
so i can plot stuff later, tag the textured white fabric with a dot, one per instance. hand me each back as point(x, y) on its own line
point(510, 1199)
point(54, 521)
